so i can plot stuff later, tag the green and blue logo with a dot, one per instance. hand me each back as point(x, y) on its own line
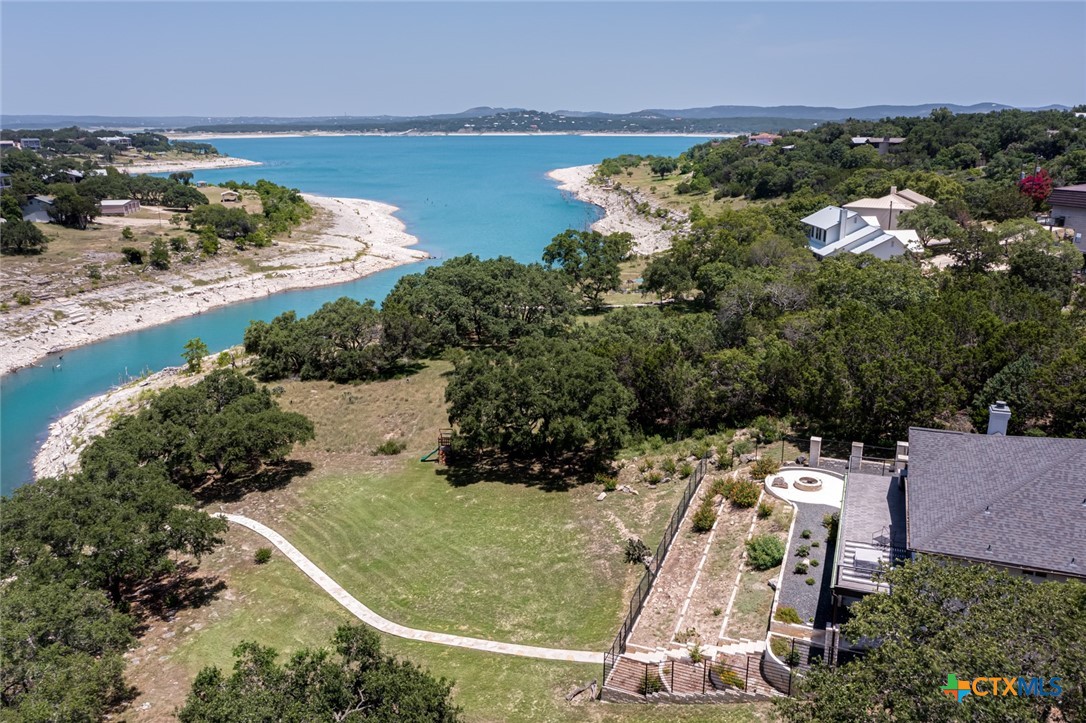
point(982, 687)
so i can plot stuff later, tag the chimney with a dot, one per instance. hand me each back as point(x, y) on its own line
point(893, 190)
point(841, 222)
point(999, 414)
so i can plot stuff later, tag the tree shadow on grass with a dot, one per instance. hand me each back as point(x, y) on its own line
point(547, 475)
point(177, 589)
point(270, 477)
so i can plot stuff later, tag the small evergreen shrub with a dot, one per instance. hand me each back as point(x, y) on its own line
point(668, 466)
point(609, 482)
point(705, 516)
point(262, 556)
point(132, 255)
point(653, 478)
point(745, 493)
point(764, 552)
point(743, 446)
point(636, 550)
point(787, 614)
point(803, 551)
point(814, 563)
point(800, 568)
point(806, 534)
point(764, 467)
point(390, 447)
point(816, 543)
point(764, 510)
point(686, 469)
point(810, 581)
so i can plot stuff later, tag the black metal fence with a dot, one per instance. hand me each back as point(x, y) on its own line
point(685, 678)
point(652, 569)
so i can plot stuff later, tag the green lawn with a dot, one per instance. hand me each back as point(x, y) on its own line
point(508, 560)
point(277, 605)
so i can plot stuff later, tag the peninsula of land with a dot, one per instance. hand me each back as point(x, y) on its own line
point(651, 233)
point(347, 239)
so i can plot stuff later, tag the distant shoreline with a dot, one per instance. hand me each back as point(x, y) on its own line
point(333, 134)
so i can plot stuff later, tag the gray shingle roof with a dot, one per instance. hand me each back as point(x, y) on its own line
point(1019, 501)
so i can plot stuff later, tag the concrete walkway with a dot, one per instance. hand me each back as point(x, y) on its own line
point(372, 619)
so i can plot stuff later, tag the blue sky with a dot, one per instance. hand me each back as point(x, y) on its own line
point(307, 58)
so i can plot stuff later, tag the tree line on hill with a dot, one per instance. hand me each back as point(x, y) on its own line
point(851, 348)
point(76, 141)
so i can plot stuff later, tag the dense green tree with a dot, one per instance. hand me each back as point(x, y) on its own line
point(195, 351)
point(183, 177)
point(977, 250)
point(930, 223)
point(662, 165)
point(160, 254)
point(1061, 392)
point(22, 237)
point(107, 530)
point(229, 223)
point(178, 196)
point(543, 396)
point(590, 260)
point(358, 682)
point(939, 618)
point(467, 301)
point(70, 208)
point(62, 647)
point(9, 207)
point(1046, 265)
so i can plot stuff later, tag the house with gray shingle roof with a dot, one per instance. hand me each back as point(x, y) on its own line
point(1015, 502)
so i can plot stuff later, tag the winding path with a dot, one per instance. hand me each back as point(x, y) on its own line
point(371, 618)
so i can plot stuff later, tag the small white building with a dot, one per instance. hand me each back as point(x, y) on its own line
point(228, 196)
point(30, 144)
point(889, 207)
point(119, 207)
point(118, 141)
point(835, 230)
point(882, 144)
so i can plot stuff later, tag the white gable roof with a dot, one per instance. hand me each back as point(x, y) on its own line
point(828, 217)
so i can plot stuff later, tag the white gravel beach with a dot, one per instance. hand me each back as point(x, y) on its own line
point(619, 207)
point(351, 239)
point(196, 164)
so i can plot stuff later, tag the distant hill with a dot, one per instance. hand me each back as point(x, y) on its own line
point(829, 113)
point(714, 119)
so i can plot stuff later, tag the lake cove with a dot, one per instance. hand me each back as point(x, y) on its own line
point(486, 195)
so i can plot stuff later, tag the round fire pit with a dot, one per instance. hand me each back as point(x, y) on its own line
point(807, 484)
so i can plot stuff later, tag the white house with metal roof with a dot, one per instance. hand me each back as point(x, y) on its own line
point(835, 230)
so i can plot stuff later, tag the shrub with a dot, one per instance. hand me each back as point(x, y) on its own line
point(730, 677)
point(764, 510)
point(764, 552)
point(223, 359)
point(132, 255)
point(636, 550)
point(127, 234)
point(803, 551)
point(701, 450)
point(668, 466)
point(686, 469)
point(653, 478)
point(717, 612)
point(800, 568)
point(94, 272)
point(262, 555)
point(745, 493)
point(650, 684)
point(179, 244)
point(768, 430)
point(390, 447)
point(721, 486)
point(816, 543)
point(609, 482)
point(160, 254)
point(705, 517)
point(22, 298)
point(814, 563)
point(764, 467)
point(743, 446)
point(806, 534)
point(810, 581)
point(787, 614)
point(830, 522)
point(696, 654)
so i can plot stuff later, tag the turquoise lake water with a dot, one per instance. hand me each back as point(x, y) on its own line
point(458, 195)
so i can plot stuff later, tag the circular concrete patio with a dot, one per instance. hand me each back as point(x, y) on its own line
point(831, 493)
